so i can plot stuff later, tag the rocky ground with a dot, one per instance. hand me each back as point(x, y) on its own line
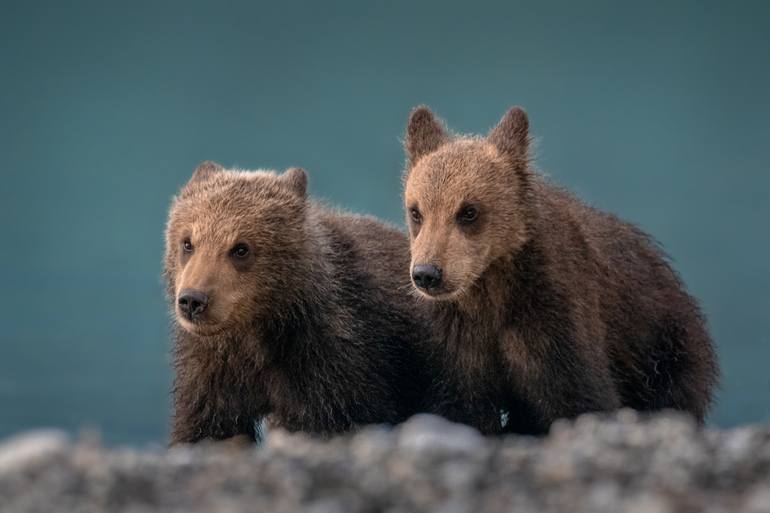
point(617, 464)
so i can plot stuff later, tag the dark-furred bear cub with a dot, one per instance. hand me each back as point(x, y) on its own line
point(542, 306)
point(286, 310)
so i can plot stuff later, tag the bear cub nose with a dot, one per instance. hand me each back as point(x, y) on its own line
point(192, 303)
point(426, 276)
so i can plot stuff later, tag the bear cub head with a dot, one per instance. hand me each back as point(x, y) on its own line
point(234, 243)
point(464, 200)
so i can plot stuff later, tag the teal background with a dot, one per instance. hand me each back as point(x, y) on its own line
point(657, 111)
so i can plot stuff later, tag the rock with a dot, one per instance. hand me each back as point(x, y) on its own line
point(431, 434)
point(621, 463)
point(31, 448)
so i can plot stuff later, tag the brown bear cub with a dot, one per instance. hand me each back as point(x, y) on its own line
point(543, 307)
point(286, 310)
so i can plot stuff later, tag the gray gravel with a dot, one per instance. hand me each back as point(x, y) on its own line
point(621, 463)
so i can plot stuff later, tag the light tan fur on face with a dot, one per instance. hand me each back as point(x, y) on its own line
point(215, 211)
point(448, 173)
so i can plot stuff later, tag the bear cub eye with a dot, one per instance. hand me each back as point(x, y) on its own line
point(467, 214)
point(415, 215)
point(240, 250)
point(187, 246)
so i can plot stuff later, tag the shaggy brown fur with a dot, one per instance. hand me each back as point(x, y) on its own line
point(307, 318)
point(546, 307)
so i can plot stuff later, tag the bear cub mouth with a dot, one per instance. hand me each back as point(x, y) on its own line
point(442, 293)
point(200, 326)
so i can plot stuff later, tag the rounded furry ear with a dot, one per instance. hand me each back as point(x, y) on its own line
point(296, 177)
point(511, 135)
point(424, 134)
point(205, 170)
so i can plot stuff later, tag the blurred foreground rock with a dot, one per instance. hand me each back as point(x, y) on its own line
point(616, 464)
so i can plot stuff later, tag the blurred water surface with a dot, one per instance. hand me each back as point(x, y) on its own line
point(657, 111)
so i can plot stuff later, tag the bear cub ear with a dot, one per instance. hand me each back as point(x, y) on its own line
point(511, 135)
point(205, 170)
point(296, 177)
point(424, 134)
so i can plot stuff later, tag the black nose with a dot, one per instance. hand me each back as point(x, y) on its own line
point(426, 276)
point(192, 303)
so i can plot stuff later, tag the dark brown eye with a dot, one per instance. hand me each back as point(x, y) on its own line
point(240, 250)
point(467, 215)
point(415, 215)
point(187, 246)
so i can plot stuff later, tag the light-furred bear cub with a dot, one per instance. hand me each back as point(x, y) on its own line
point(287, 310)
point(542, 306)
